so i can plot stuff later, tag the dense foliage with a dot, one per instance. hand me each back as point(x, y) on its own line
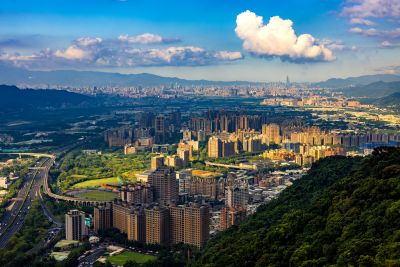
point(12, 98)
point(345, 212)
point(34, 230)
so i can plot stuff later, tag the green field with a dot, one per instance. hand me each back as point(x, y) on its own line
point(97, 195)
point(60, 256)
point(97, 183)
point(122, 258)
point(78, 167)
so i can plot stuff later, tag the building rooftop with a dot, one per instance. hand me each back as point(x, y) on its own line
point(205, 174)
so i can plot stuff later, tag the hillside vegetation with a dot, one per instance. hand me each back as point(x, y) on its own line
point(390, 100)
point(12, 98)
point(373, 90)
point(344, 212)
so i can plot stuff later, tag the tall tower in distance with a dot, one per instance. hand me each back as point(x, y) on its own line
point(287, 81)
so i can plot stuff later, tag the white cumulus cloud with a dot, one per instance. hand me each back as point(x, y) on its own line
point(73, 52)
point(97, 52)
point(277, 38)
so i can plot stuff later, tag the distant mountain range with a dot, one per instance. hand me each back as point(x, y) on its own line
point(14, 76)
point(372, 90)
point(357, 81)
point(12, 98)
point(390, 100)
point(373, 86)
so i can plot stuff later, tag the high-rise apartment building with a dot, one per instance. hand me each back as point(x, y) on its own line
point(136, 225)
point(173, 161)
point(166, 225)
point(165, 185)
point(102, 217)
point(228, 148)
point(161, 129)
point(214, 147)
point(138, 193)
point(157, 161)
point(157, 225)
point(230, 217)
point(189, 224)
point(236, 196)
point(184, 155)
point(130, 220)
point(218, 148)
point(252, 144)
point(271, 133)
point(176, 221)
point(184, 177)
point(196, 225)
point(120, 212)
point(75, 228)
point(119, 136)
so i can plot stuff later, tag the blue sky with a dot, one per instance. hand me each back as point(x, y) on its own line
point(205, 39)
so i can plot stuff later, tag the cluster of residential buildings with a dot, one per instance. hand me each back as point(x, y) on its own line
point(151, 128)
point(149, 213)
point(304, 145)
point(313, 100)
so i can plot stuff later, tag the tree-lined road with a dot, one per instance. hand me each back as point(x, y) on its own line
point(14, 217)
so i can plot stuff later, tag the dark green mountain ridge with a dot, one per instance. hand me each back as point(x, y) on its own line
point(12, 98)
point(344, 212)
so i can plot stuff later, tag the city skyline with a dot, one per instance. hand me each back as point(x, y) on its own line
point(251, 41)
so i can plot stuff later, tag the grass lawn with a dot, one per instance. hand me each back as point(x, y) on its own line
point(97, 183)
point(66, 243)
point(60, 256)
point(97, 195)
point(128, 255)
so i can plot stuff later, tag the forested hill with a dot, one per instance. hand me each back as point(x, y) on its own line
point(13, 98)
point(345, 212)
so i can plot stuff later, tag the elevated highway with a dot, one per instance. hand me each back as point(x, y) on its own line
point(47, 188)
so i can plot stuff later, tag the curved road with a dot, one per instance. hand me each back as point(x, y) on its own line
point(14, 216)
